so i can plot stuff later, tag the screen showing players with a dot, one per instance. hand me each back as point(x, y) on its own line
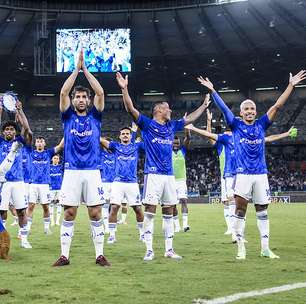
point(105, 50)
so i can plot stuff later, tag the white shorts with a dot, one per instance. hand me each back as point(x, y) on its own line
point(81, 186)
point(40, 193)
point(107, 189)
point(27, 190)
point(159, 188)
point(229, 186)
point(181, 189)
point(13, 193)
point(223, 190)
point(253, 186)
point(55, 195)
point(125, 192)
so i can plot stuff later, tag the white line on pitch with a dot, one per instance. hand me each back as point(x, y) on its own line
point(253, 293)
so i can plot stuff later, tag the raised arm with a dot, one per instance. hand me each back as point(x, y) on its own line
point(128, 103)
point(60, 146)
point(293, 81)
point(292, 133)
point(202, 132)
point(228, 115)
point(99, 92)
point(68, 84)
point(208, 127)
point(192, 117)
point(25, 127)
point(104, 143)
point(187, 139)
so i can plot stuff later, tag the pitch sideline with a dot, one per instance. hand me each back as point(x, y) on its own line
point(249, 294)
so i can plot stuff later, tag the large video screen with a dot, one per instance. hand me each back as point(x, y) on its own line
point(105, 50)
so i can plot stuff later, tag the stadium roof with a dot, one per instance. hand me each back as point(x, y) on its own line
point(240, 44)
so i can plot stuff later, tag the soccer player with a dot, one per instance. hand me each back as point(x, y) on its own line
point(40, 180)
point(5, 166)
point(56, 177)
point(82, 179)
point(225, 150)
point(125, 184)
point(107, 171)
point(13, 189)
point(251, 171)
point(229, 171)
point(159, 186)
point(224, 142)
point(179, 170)
point(124, 204)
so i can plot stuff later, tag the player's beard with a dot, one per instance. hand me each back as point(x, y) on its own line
point(81, 110)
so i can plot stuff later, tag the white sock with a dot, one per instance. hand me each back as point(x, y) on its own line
point(23, 232)
point(176, 223)
point(140, 228)
point(231, 214)
point(67, 229)
point(263, 227)
point(105, 214)
point(58, 212)
point(168, 231)
point(226, 216)
point(123, 217)
point(238, 227)
point(30, 220)
point(97, 233)
point(185, 220)
point(51, 210)
point(112, 229)
point(148, 225)
point(46, 223)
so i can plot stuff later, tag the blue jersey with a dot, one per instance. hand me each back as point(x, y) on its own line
point(56, 176)
point(26, 163)
point(219, 147)
point(230, 163)
point(108, 162)
point(15, 174)
point(40, 166)
point(249, 141)
point(82, 139)
point(126, 161)
point(158, 140)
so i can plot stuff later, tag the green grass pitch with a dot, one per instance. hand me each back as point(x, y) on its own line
point(208, 268)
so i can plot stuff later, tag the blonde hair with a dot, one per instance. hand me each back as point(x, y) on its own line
point(247, 101)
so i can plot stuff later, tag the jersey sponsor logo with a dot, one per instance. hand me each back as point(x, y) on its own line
point(250, 142)
point(126, 157)
point(162, 141)
point(81, 134)
point(39, 162)
point(109, 162)
point(55, 174)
